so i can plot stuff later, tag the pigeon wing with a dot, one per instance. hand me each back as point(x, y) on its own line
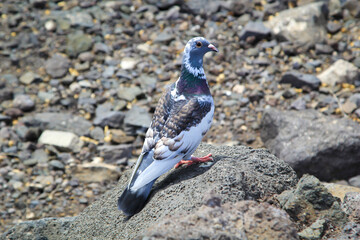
point(175, 135)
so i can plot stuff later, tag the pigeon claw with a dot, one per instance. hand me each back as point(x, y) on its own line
point(194, 160)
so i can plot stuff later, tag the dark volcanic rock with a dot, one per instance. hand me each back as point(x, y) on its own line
point(238, 173)
point(310, 142)
point(241, 220)
point(298, 80)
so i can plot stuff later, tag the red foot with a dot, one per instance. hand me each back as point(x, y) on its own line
point(195, 160)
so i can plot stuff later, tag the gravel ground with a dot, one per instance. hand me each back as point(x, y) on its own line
point(79, 81)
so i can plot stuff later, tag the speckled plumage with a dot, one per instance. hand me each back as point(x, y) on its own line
point(182, 117)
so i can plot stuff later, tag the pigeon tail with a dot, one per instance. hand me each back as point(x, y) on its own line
point(131, 202)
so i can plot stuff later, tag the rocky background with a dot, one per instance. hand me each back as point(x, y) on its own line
point(79, 81)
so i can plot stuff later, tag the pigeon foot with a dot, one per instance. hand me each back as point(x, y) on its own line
point(194, 160)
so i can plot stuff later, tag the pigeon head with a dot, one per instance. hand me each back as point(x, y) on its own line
point(194, 52)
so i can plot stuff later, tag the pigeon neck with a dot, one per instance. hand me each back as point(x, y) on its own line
point(192, 81)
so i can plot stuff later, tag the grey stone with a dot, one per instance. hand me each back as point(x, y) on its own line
point(40, 155)
point(348, 107)
point(5, 119)
point(30, 162)
point(254, 29)
point(65, 141)
point(108, 72)
point(83, 201)
point(129, 93)
point(114, 153)
point(333, 27)
point(101, 48)
point(339, 72)
point(6, 94)
point(80, 19)
point(335, 8)
point(82, 66)
point(147, 82)
point(113, 119)
point(355, 98)
point(135, 118)
point(97, 133)
point(237, 173)
point(357, 61)
point(29, 77)
point(173, 13)
point(9, 79)
point(24, 102)
point(57, 66)
point(304, 24)
point(355, 181)
point(252, 52)
point(46, 96)
point(57, 165)
point(323, 49)
point(315, 231)
point(353, 6)
point(59, 121)
point(78, 43)
point(357, 112)
point(299, 80)
point(86, 56)
point(312, 143)
point(103, 108)
point(164, 37)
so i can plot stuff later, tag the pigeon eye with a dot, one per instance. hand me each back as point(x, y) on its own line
point(198, 44)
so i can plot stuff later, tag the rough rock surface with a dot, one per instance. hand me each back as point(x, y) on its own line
point(350, 231)
point(238, 173)
point(241, 220)
point(351, 205)
point(38, 228)
point(312, 143)
point(311, 202)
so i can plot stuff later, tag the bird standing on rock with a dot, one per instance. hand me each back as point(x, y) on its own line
point(182, 117)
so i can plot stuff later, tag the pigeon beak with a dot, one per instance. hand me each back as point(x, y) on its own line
point(213, 48)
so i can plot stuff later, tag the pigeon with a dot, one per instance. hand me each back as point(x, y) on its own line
point(182, 117)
